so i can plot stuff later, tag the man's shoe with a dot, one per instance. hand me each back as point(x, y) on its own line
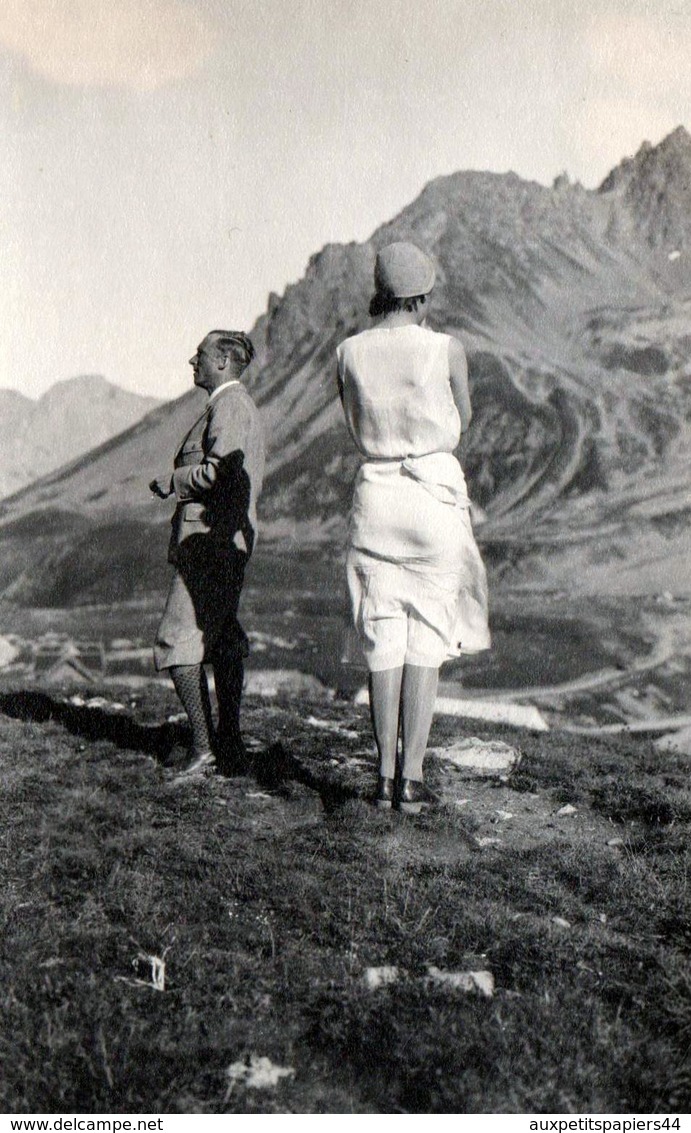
point(385, 793)
point(414, 797)
point(232, 757)
point(197, 766)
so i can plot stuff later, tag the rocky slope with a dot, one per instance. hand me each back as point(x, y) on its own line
point(575, 308)
point(69, 419)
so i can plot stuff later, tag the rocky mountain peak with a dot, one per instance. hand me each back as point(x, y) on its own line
point(671, 156)
point(679, 140)
point(654, 187)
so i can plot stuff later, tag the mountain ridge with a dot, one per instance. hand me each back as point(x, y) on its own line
point(69, 418)
point(575, 309)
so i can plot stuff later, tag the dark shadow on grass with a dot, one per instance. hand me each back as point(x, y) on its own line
point(157, 740)
point(276, 766)
point(271, 768)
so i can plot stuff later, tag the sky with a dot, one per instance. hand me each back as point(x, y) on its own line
point(169, 163)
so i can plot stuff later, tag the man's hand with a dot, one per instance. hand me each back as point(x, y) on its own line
point(161, 487)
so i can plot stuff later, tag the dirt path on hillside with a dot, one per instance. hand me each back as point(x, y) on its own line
point(672, 640)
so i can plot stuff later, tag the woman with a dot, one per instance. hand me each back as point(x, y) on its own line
point(416, 581)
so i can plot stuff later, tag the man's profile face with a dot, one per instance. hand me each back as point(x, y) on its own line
point(205, 364)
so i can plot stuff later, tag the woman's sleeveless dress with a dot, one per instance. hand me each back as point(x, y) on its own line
point(416, 581)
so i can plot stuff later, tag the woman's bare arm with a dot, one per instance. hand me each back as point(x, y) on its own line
point(458, 375)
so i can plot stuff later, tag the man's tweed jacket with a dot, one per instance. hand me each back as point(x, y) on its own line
point(218, 475)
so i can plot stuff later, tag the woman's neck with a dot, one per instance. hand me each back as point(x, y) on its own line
point(399, 319)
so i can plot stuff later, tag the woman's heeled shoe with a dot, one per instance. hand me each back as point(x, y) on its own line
point(385, 793)
point(414, 796)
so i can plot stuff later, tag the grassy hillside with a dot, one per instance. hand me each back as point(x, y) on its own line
point(270, 900)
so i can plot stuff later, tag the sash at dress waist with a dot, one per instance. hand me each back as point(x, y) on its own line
point(439, 473)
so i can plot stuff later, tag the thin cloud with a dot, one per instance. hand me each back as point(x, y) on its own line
point(141, 44)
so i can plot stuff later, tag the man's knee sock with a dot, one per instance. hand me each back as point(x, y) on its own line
point(192, 688)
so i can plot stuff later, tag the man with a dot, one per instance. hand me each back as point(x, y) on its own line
point(216, 480)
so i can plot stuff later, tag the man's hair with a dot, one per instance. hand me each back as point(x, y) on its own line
point(384, 304)
point(234, 343)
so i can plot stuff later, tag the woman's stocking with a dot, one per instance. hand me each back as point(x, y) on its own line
point(418, 696)
point(384, 698)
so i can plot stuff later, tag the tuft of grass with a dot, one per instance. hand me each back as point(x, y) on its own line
point(626, 802)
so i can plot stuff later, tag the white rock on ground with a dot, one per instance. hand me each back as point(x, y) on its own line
point(258, 1074)
point(491, 757)
point(149, 970)
point(329, 726)
point(380, 977)
point(273, 682)
point(99, 702)
point(464, 981)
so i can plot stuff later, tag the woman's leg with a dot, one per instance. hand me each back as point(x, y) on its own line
point(385, 702)
point(418, 696)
